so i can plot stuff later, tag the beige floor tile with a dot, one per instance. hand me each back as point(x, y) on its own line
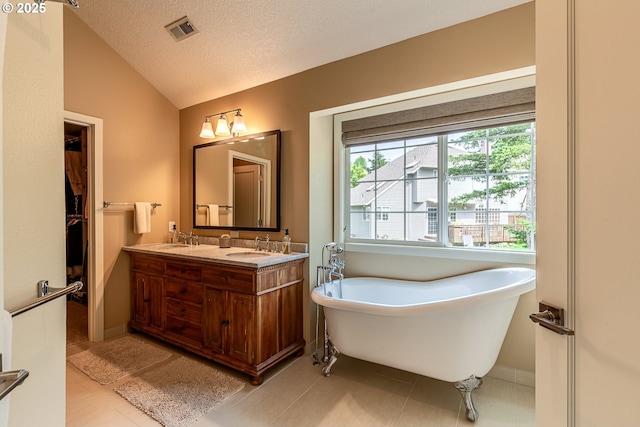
point(497, 404)
point(526, 406)
point(431, 403)
point(295, 393)
point(379, 402)
point(326, 400)
point(260, 408)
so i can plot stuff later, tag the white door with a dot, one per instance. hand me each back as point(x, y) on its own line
point(247, 196)
point(4, 406)
point(588, 260)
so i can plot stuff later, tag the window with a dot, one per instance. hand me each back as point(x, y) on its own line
point(432, 221)
point(493, 216)
point(479, 177)
point(382, 213)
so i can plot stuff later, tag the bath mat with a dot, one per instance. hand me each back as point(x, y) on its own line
point(180, 392)
point(109, 361)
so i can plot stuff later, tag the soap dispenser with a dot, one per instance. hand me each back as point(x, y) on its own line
point(286, 242)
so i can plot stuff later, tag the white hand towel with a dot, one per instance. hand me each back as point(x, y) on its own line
point(213, 216)
point(142, 217)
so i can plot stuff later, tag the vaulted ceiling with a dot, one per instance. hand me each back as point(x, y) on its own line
point(245, 43)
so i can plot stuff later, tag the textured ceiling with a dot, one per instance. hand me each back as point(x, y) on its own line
point(246, 43)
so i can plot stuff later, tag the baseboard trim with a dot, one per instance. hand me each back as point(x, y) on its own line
point(115, 331)
point(513, 375)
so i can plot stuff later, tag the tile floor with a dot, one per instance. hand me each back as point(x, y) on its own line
point(296, 394)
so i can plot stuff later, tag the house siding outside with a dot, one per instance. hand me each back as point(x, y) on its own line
point(386, 213)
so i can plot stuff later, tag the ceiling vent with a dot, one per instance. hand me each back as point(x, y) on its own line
point(181, 29)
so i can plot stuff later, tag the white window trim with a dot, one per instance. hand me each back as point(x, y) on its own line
point(479, 86)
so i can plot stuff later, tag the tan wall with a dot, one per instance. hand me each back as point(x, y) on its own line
point(33, 211)
point(141, 152)
point(495, 43)
point(472, 49)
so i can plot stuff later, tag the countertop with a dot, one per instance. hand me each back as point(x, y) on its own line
point(232, 256)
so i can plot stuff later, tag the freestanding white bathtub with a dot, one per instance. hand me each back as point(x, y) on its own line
point(450, 329)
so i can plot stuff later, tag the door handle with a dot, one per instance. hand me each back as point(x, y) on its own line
point(552, 318)
point(10, 380)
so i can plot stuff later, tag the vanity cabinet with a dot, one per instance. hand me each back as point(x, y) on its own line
point(248, 318)
point(147, 294)
point(228, 320)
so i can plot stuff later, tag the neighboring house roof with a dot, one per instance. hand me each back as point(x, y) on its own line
point(424, 156)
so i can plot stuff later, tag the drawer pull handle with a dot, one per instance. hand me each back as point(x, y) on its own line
point(183, 290)
point(225, 323)
point(147, 300)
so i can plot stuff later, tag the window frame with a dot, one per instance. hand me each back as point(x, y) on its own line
point(460, 90)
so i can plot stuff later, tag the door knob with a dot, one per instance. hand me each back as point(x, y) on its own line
point(552, 318)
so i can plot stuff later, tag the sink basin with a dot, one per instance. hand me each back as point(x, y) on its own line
point(170, 246)
point(251, 254)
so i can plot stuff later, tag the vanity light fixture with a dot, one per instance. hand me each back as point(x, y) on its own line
point(222, 125)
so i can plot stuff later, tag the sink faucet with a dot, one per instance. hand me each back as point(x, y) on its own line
point(259, 239)
point(190, 237)
point(257, 243)
point(182, 236)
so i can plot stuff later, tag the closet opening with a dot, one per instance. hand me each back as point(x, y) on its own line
point(77, 231)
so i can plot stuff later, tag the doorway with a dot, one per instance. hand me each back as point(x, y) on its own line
point(247, 186)
point(76, 229)
point(250, 189)
point(94, 275)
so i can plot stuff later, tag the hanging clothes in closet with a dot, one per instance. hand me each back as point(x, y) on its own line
point(75, 184)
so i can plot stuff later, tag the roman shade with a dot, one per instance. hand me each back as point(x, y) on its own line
point(498, 109)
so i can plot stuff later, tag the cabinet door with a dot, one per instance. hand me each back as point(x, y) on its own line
point(139, 314)
point(291, 330)
point(214, 319)
point(156, 303)
point(240, 327)
point(147, 294)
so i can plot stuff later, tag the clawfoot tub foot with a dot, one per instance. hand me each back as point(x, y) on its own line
point(465, 387)
point(333, 358)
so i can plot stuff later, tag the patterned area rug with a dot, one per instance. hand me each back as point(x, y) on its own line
point(109, 361)
point(180, 392)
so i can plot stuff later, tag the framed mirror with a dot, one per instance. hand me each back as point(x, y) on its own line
point(236, 183)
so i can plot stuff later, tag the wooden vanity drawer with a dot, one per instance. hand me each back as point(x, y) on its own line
point(183, 330)
point(234, 280)
point(148, 265)
point(184, 310)
point(183, 271)
point(191, 292)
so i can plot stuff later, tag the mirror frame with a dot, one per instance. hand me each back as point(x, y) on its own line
point(278, 135)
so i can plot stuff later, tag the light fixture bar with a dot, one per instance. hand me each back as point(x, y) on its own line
point(224, 112)
point(223, 127)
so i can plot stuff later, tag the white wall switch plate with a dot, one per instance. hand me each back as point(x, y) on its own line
point(172, 226)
